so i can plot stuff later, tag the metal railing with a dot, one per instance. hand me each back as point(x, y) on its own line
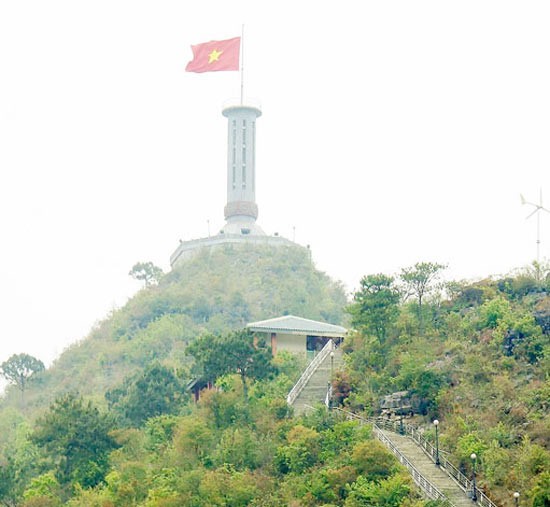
point(408, 429)
point(465, 484)
point(309, 371)
point(424, 484)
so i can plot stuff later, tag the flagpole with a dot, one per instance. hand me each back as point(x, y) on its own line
point(242, 64)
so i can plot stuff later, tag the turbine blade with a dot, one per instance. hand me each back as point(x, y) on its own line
point(531, 214)
point(523, 201)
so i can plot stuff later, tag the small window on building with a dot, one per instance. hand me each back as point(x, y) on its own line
point(245, 231)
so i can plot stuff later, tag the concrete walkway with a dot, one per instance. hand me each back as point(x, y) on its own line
point(314, 393)
point(315, 390)
point(429, 470)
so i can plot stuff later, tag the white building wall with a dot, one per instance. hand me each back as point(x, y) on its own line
point(292, 343)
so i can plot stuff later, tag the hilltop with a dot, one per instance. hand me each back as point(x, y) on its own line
point(215, 291)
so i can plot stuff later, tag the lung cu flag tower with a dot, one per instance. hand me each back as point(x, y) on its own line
point(241, 210)
point(215, 55)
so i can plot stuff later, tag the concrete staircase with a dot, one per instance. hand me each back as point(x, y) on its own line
point(438, 477)
point(315, 390)
point(423, 470)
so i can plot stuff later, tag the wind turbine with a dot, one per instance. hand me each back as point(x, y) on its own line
point(538, 208)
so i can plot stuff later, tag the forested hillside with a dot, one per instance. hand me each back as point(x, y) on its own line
point(111, 423)
point(216, 291)
point(476, 356)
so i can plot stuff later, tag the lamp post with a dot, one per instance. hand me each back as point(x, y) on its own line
point(516, 499)
point(474, 492)
point(436, 424)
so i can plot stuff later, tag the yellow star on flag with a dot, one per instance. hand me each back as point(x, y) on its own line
point(214, 56)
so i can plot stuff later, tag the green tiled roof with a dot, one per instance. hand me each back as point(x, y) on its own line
point(291, 324)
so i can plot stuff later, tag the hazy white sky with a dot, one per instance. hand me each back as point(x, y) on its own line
point(392, 132)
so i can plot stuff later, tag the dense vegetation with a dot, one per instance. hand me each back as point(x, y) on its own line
point(476, 356)
point(216, 291)
point(112, 424)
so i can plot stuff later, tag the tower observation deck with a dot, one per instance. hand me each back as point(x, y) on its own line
point(241, 210)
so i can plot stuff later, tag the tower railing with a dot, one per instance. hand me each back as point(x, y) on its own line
point(247, 101)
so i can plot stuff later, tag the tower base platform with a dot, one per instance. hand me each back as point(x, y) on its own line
point(188, 249)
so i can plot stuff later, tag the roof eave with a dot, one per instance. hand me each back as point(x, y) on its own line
point(309, 332)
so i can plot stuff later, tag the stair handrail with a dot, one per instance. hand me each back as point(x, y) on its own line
point(309, 371)
point(429, 449)
point(397, 426)
point(424, 484)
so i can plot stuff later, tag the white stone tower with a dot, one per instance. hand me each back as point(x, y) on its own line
point(241, 210)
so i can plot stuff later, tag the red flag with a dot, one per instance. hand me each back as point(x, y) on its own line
point(215, 55)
